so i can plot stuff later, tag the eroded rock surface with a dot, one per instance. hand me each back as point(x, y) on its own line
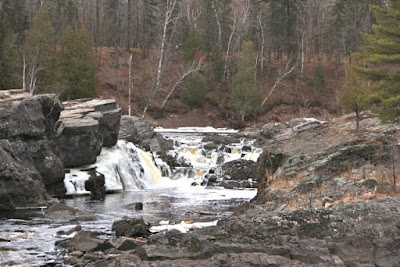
point(86, 126)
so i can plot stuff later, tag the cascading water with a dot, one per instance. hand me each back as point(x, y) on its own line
point(127, 167)
point(166, 194)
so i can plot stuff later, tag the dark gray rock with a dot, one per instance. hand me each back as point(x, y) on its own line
point(131, 227)
point(96, 185)
point(27, 126)
point(137, 131)
point(86, 126)
point(83, 241)
point(310, 184)
point(20, 186)
point(175, 245)
point(239, 170)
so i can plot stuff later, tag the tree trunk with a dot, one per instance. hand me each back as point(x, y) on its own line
point(358, 119)
point(130, 85)
point(128, 27)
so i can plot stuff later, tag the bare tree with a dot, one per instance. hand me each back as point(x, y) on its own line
point(169, 18)
point(194, 67)
point(282, 74)
point(193, 10)
point(239, 24)
point(130, 85)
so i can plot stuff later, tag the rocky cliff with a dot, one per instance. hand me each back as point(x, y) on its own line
point(28, 163)
point(39, 136)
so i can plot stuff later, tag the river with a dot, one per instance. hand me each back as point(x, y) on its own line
point(169, 197)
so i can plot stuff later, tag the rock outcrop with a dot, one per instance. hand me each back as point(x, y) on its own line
point(326, 160)
point(29, 163)
point(36, 143)
point(137, 131)
point(86, 126)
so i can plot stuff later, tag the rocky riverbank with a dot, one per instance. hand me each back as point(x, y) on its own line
point(326, 197)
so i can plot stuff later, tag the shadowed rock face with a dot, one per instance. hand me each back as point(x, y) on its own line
point(28, 162)
point(85, 127)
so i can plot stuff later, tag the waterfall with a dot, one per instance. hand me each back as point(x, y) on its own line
point(127, 167)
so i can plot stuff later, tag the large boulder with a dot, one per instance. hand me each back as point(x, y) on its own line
point(137, 131)
point(86, 126)
point(127, 227)
point(20, 186)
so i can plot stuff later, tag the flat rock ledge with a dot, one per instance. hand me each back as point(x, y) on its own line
point(85, 127)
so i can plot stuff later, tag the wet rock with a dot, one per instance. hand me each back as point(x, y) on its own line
point(220, 140)
point(131, 227)
point(238, 169)
point(96, 185)
point(83, 241)
point(137, 131)
point(61, 212)
point(135, 206)
point(70, 231)
point(86, 126)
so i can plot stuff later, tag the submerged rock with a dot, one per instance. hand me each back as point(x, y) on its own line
point(96, 185)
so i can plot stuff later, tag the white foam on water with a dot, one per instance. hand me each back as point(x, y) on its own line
point(125, 167)
point(183, 227)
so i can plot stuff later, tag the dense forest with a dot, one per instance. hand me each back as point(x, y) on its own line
point(234, 55)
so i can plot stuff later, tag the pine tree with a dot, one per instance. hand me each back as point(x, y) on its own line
point(382, 54)
point(245, 97)
point(78, 65)
point(8, 56)
point(353, 95)
point(195, 93)
point(40, 52)
point(194, 43)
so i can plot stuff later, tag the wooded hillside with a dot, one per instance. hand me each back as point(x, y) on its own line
point(240, 59)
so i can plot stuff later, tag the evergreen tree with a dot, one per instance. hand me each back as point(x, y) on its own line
point(319, 78)
point(40, 50)
point(149, 23)
point(78, 65)
point(17, 14)
point(194, 43)
point(353, 95)
point(195, 93)
point(283, 21)
point(8, 56)
point(382, 54)
point(245, 97)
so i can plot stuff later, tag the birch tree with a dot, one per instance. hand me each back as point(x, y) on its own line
point(170, 17)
